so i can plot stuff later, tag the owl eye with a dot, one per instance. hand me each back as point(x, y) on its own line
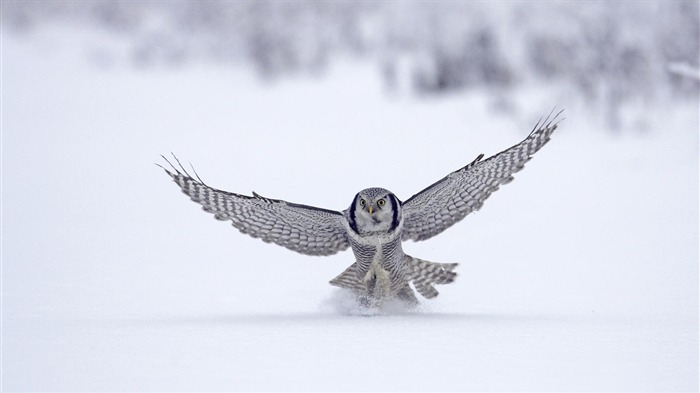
point(362, 202)
point(381, 202)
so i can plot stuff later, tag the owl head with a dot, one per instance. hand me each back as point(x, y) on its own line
point(374, 210)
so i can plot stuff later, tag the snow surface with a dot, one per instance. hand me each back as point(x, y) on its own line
point(580, 275)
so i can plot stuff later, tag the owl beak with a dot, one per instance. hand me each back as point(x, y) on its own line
point(370, 210)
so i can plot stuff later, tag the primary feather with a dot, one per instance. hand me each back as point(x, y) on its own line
point(304, 229)
point(464, 191)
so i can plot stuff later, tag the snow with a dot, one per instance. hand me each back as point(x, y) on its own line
point(580, 275)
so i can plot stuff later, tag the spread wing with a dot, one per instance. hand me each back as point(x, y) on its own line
point(304, 229)
point(463, 191)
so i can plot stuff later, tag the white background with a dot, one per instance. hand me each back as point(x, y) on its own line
point(580, 275)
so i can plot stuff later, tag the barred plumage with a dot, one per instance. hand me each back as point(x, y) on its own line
point(304, 229)
point(464, 191)
point(376, 222)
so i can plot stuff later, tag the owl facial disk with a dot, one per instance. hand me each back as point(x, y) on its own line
point(367, 205)
point(374, 210)
point(377, 205)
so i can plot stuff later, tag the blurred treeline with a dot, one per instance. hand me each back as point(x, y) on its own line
point(607, 52)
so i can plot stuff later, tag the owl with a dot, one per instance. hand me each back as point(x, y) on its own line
point(375, 224)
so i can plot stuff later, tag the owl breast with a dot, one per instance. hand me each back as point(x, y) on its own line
point(379, 262)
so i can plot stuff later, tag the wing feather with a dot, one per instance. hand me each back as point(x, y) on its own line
point(464, 191)
point(305, 229)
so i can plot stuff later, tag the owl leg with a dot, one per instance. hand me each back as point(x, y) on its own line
point(366, 292)
point(369, 299)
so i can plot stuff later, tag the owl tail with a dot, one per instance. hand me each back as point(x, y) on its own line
point(424, 274)
point(349, 279)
